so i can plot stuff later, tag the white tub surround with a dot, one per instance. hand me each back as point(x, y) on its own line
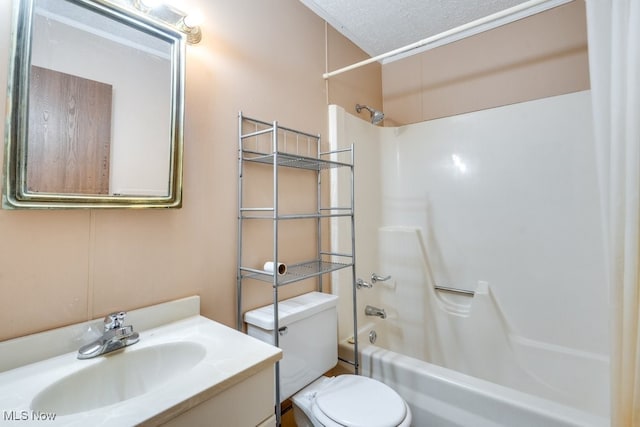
point(227, 360)
point(501, 204)
point(506, 196)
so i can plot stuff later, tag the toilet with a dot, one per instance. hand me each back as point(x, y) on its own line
point(307, 326)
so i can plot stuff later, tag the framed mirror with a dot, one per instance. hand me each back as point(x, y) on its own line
point(95, 107)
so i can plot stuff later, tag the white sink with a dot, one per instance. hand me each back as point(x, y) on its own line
point(117, 377)
point(178, 364)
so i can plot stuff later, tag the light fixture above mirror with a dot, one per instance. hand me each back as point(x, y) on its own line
point(186, 22)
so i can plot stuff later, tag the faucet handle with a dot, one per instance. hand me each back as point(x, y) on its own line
point(362, 284)
point(114, 320)
point(377, 278)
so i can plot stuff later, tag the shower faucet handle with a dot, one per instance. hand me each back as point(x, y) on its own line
point(376, 278)
point(362, 284)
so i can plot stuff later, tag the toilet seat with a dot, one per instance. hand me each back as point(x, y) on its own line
point(357, 401)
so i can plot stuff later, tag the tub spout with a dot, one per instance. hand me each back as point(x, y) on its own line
point(370, 310)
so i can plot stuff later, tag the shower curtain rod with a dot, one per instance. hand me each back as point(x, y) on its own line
point(497, 19)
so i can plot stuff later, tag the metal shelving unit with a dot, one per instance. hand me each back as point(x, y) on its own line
point(274, 146)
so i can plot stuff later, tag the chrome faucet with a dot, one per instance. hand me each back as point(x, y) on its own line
point(370, 310)
point(362, 284)
point(374, 278)
point(116, 336)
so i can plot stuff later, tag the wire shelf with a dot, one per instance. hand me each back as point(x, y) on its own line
point(292, 160)
point(272, 145)
point(296, 272)
point(266, 215)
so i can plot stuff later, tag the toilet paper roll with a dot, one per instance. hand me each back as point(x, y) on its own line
point(268, 266)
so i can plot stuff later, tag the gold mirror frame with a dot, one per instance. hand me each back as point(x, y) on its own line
point(16, 194)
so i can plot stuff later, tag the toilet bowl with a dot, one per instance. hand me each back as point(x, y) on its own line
point(349, 401)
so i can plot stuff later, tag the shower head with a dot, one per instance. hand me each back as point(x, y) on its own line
point(376, 116)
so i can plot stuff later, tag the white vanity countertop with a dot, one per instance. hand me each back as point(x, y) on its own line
point(230, 358)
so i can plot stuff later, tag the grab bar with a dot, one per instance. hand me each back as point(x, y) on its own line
point(454, 290)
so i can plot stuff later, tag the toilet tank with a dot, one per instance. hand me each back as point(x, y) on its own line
point(308, 337)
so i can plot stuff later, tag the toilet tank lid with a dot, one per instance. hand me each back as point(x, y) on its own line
point(291, 310)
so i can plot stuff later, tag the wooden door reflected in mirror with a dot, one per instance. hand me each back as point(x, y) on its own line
point(69, 134)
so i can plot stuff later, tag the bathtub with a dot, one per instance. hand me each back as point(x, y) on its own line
point(441, 397)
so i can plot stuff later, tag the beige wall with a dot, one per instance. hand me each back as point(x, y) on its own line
point(264, 58)
point(537, 57)
point(343, 87)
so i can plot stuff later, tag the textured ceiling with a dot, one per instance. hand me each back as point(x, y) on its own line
point(378, 26)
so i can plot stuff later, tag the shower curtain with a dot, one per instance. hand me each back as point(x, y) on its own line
point(614, 56)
